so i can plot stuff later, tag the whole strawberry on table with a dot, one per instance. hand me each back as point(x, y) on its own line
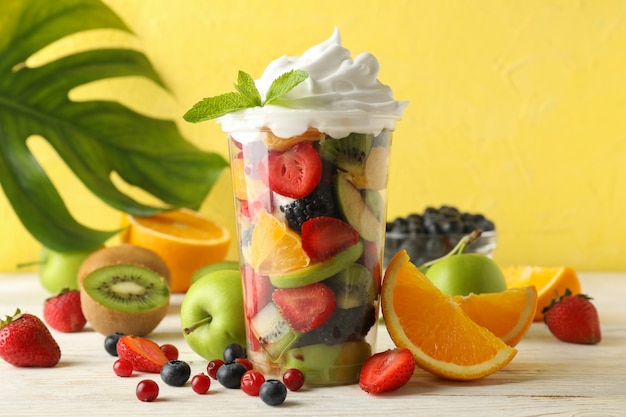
point(25, 341)
point(573, 319)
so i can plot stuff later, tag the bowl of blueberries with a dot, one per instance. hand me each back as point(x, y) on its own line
point(435, 232)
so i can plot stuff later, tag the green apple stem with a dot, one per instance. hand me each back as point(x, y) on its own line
point(197, 324)
point(457, 250)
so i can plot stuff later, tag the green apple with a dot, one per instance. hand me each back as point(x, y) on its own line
point(212, 314)
point(59, 270)
point(215, 266)
point(466, 273)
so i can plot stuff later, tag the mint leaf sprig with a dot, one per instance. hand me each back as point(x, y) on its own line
point(246, 96)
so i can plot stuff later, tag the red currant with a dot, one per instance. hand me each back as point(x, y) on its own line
point(245, 362)
point(293, 379)
point(170, 351)
point(200, 383)
point(122, 367)
point(213, 366)
point(251, 382)
point(147, 390)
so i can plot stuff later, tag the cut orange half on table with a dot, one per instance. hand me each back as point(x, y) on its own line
point(507, 314)
point(548, 280)
point(443, 339)
point(274, 248)
point(185, 239)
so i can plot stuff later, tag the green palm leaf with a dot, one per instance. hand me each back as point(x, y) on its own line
point(94, 138)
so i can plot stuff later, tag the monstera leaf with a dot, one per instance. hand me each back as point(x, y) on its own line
point(94, 138)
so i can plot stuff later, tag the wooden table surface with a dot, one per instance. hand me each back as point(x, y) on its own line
point(546, 378)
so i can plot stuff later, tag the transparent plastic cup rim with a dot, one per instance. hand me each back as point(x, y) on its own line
point(245, 125)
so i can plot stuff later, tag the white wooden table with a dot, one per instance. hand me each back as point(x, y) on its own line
point(546, 378)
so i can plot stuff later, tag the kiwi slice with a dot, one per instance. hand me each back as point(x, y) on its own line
point(273, 331)
point(356, 211)
point(128, 288)
point(320, 270)
point(349, 153)
point(353, 287)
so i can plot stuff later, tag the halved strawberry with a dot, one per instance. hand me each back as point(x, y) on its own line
point(305, 308)
point(294, 173)
point(323, 237)
point(144, 354)
point(387, 371)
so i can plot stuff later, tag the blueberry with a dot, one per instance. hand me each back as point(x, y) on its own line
point(175, 373)
point(229, 374)
point(273, 392)
point(110, 343)
point(234, 351)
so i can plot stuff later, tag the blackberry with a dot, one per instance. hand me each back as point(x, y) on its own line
point(344, 325)
point(319, 203)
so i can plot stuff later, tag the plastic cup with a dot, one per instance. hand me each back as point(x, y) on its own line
point(310, 245)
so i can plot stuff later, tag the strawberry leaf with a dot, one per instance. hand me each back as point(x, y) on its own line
point(94, 138)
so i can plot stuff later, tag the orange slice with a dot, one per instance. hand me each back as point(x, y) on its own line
point(507, 314)
point(274, 248)
point(275, 143)
point(443, 339)
point(185, 239)
point(548, 280)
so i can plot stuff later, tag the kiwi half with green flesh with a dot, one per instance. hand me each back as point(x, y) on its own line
point(349, 153)
point(274, 333)
point(124, 254)
point(129, 299)
point(353, 287)
point(318, 271)
point(355, 210)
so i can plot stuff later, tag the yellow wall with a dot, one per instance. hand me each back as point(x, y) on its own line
point(517, 107)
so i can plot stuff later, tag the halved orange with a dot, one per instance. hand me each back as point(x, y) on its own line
point(274, 248)
point(507, 314)
point(548, 280)
point(443, 339)
point(185, 239)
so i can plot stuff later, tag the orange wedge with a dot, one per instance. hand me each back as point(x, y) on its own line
point(185, 239)
point(507, 314)
point(274, 248)
point(443, 339)
point(548, 281)
point(275, 143)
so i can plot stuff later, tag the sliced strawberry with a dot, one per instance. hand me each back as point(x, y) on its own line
point(257, 291)
point(144, 354)
point(323, 237)
point(293, 173)
point(387, 371)
point(305, 308)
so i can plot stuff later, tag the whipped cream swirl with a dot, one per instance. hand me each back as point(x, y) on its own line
point(341, 95)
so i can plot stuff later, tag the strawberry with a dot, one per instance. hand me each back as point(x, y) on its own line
point(63, 312)
point(294, 173)
point(323, 237)
point(305, 308)
point(25, 341)
point(144, 354)
point(573, 319)
point(387, 371)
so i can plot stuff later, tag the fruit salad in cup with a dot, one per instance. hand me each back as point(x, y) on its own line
point(309, 146)
point(310, 215)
